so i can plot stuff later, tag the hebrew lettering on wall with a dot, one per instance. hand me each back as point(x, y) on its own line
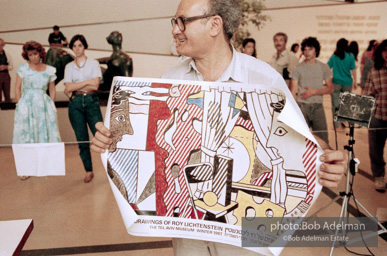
point(191, 159)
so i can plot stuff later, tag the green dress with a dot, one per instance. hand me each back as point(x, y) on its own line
point(35, 115)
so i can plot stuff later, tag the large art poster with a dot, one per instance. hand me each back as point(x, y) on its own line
point(191, 159)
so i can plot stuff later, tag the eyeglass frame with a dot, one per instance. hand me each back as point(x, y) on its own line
point(174, 21)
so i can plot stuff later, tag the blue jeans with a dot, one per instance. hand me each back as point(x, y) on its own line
point(84, 110)
point(376, 141)
point(335, 98)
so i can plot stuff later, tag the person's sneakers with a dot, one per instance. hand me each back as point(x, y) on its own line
point(380, 186)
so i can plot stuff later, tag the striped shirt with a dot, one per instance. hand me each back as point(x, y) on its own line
point(376, 86)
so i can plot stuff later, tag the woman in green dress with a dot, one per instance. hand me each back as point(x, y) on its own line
point(35, 115)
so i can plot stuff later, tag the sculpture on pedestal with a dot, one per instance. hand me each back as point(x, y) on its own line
point(118, 64)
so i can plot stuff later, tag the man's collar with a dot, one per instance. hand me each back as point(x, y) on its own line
point(282, 53)
point(191, 66)
point(232, 73)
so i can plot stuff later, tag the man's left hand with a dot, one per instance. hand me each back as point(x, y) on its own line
point(334, 165)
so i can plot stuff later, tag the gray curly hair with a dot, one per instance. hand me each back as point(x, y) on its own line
point(231, 13)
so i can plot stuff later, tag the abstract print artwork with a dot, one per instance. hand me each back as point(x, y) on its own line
point(186, 153)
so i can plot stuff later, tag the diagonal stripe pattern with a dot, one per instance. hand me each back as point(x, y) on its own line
point(202, 173)
point(184, 140)
point(125, 163)
point(245, 123)
point(262, 178)
point(309, 161)
point(220, 178)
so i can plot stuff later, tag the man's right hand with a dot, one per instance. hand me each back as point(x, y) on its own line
point(102, 138)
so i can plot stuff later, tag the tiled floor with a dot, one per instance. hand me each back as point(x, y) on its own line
point(73, 218)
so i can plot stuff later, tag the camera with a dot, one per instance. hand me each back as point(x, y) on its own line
point(355, 109)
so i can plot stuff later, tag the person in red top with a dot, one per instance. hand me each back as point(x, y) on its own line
point(376, 86)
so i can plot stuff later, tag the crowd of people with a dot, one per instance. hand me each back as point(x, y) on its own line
point(307, 80)
point(310, 79)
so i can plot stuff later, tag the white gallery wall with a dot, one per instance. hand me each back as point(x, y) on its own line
point(146, 29)
point(145, 24)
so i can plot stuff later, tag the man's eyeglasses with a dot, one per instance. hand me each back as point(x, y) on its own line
point(181, 21)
